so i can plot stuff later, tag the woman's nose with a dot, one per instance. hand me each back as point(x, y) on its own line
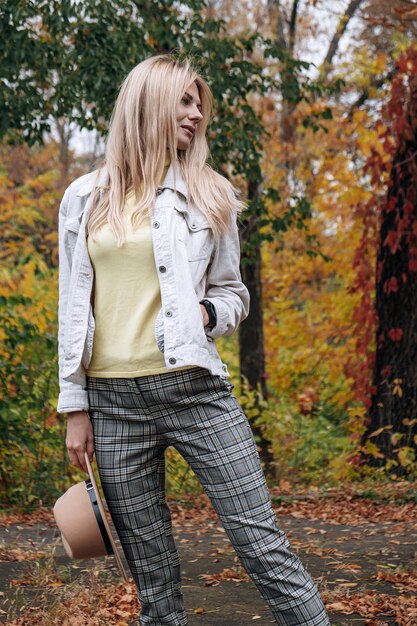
point(196, 114)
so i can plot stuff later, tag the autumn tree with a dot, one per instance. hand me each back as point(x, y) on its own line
point(386, 30)
point(392, 426)
point(314, 337)
point(32, 457)
point(282, 21)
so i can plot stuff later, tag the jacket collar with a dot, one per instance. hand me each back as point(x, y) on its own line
point(174, 180)
point(176, 183)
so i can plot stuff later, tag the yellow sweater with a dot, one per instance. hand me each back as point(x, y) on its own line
point(127, 300)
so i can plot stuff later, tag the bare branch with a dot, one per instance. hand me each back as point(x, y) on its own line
point(293, 26)
point(334, 44)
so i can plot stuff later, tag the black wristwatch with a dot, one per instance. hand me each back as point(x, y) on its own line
point(211, 312)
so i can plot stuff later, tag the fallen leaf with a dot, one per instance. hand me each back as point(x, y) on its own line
point(340, 607)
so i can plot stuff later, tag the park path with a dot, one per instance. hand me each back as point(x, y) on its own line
point(367, 566)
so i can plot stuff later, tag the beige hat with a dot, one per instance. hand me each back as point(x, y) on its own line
point(81, 519)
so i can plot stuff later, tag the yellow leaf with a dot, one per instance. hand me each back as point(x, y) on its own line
point(406, 456)
point(372, 449)
point(397, 391)
point(377, 432)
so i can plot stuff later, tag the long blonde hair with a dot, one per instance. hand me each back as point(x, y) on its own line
point(142, 129)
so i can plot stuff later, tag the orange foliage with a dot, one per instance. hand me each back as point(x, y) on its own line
point(308, 301)
point(30, 191)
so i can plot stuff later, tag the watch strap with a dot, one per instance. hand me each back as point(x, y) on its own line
point(211, 312)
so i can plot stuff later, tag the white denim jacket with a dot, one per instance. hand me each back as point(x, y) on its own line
point(191, 265)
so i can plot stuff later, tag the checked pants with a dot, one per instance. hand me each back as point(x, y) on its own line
point(134, 421)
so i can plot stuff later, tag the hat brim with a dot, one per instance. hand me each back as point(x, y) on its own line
point(104, 517)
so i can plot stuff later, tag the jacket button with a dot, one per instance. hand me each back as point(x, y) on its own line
point(193, 226)
point(172, 361)
point(168, 313)
point(162, 268)
point(156, 224)
point(159, 191)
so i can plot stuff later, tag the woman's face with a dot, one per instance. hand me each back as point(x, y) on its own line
point(188, 114)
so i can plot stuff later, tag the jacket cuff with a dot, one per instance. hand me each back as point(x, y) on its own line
point(70, 400)
point(222, 314)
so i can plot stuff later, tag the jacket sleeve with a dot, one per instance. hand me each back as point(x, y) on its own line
point(224, 285)
point(72, 395)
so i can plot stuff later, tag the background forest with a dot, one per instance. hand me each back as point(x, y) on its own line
point(316, 122)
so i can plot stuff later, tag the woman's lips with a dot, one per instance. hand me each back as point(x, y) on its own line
point(189, 130)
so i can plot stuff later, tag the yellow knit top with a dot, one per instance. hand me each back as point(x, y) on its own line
point(127, 300)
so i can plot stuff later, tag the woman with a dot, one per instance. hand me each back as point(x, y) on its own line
point(149, 268)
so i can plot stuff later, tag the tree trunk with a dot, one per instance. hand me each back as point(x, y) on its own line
point(251, 336)
point(394, 403)
point(64, 133)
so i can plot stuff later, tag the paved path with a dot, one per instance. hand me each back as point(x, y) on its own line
point(339, 557)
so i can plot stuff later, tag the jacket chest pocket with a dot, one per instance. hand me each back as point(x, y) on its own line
point(72, 228)
point(72, 224)
point(197, 237)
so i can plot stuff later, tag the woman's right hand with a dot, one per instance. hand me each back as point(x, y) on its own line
point(79, 438)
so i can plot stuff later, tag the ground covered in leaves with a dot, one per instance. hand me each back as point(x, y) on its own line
point(359, 546)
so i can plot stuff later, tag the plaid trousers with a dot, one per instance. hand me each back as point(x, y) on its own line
point(134, 420)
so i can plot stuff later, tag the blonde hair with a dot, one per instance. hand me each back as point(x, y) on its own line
point(142, 129)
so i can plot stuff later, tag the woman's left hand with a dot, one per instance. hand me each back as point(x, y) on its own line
point(204, 314)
